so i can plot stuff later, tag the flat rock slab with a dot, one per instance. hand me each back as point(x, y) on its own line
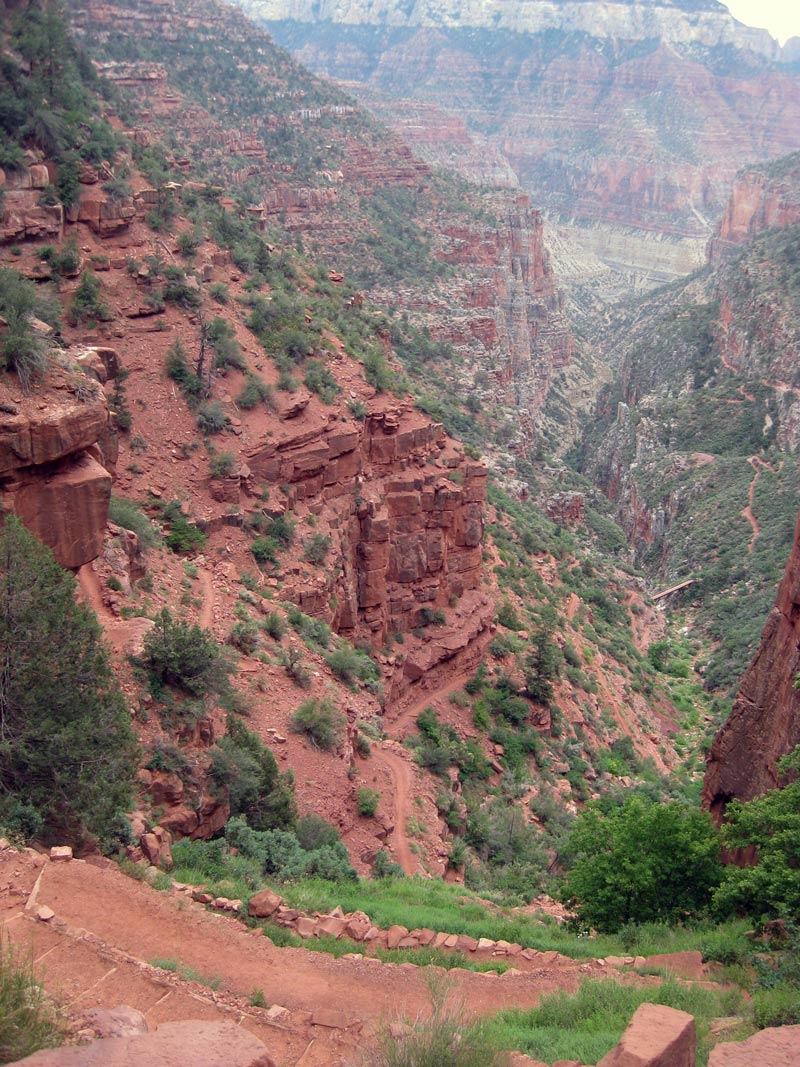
point(201, 1044)
point(777, 1046)
point(657, 1036)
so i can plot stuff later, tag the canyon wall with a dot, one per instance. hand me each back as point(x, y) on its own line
point(765, 722)
point(632, 117)
point(52, 472)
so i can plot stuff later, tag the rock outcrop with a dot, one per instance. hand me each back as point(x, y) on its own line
point(657, 1036)
point(777, 1046)
point(761, 198)
point(403, 507)
point(203, 1044)
point(51, 469)
point(765, 722)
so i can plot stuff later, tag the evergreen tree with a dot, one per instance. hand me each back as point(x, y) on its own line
point(67, 750)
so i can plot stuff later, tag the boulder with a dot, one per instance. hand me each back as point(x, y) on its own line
point(394, 935)
point(263, 904)
point(61, 853)
point(777, 1046)
point(199, 1043)
point(121, 1021)
point(656, 1036)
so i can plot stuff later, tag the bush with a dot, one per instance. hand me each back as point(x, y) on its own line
point(183, 535)
point(368, 802)
point(317, 549)
point(642, 862)
point(222, 464)
point(86, 303)
point(242, 763)
point(349, 664)
point(211, 417)
point(23, 349)
point(182, 655)
point(179, 370)
point(255, 392)
point(129, 516)
point(319, 721)
point(275, 625)
point(28, 1021)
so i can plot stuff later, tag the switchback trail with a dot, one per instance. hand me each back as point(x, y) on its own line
point(758, 465)
point(402, 781)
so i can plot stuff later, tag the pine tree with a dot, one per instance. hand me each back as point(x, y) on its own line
point(67, 750)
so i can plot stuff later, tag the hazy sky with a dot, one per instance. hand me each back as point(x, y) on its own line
point(780, 17)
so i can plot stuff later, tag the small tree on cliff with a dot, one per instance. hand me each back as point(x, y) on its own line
point(67, 751)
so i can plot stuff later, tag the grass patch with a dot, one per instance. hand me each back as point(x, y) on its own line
point(28, 1020)
point(586, 1025)
point(187, 973)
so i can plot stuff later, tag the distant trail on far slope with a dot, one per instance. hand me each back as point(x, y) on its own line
point(207, 610)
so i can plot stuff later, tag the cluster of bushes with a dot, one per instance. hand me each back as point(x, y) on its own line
point(438, 747)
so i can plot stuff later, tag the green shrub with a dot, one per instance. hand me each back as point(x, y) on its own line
point(319, 721)
point(179, 370)
point(255, 392)
point(777, 1006)
point(368, 801)
point(129, 516)
point(23, 349)
point(183, 535)
point(211, 417)
point(87, 306)
point(242, 763)
point(349, 664)
point(182, 655)
point(222, 464)
point(317, 548)
point(28, 1020)
point(642, 862)
point(275, 625)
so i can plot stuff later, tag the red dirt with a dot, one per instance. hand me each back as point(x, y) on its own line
point(401, 773)
point(147, 924)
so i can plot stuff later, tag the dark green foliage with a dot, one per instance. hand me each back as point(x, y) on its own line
point(771, 825)
point(183, 535)
point(368, 800)
point(23, 349)
point(243, 763)
point(255, 392)
point(320, 381)
point(642, 862)
point(275, 625)
point(129, 516)
point(222, 464)
point(317, 548)
point(179, 370)
point(349, 664)
point(385, 867)
point(776, 998)
point(185, 657)
point(222, 337)
point(541, 667)
point(87, 305)
point(319, 721)
point(211, 417)
point(67, 748)
point(283, 855)
point(265, 550)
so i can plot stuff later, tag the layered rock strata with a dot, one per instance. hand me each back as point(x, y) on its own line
point(765, 722)
point(51, 468)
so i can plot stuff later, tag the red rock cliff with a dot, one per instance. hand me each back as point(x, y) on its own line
point(761, 198)
point(51, 472)
point(765, 722)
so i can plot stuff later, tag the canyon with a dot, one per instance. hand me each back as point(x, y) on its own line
point(627, 127)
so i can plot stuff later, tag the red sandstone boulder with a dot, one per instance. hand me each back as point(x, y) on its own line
point(778, 1046)
point(199, 1043)
point(263, 904)
point(656, 1036)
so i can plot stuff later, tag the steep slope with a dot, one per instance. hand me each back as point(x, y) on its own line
point(465, 265)
point(696, 445)
point(765, 722)
point(629, 119)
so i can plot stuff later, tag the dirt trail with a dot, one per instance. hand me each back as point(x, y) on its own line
point(758, 465)
point(403, 721)
point(125, 635)
point(89, 586)
point(207, 610)
point(402, 781)
point(146, 924)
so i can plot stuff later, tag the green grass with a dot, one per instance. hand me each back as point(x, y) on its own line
point(187, 973)
point(418, 903)
point(587, 1025)
point(28, 1020)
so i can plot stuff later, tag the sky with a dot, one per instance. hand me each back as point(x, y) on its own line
point(780, 17)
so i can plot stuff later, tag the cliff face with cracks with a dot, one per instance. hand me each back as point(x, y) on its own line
point(765, 722)
point(52, 473)
point(403, 509)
